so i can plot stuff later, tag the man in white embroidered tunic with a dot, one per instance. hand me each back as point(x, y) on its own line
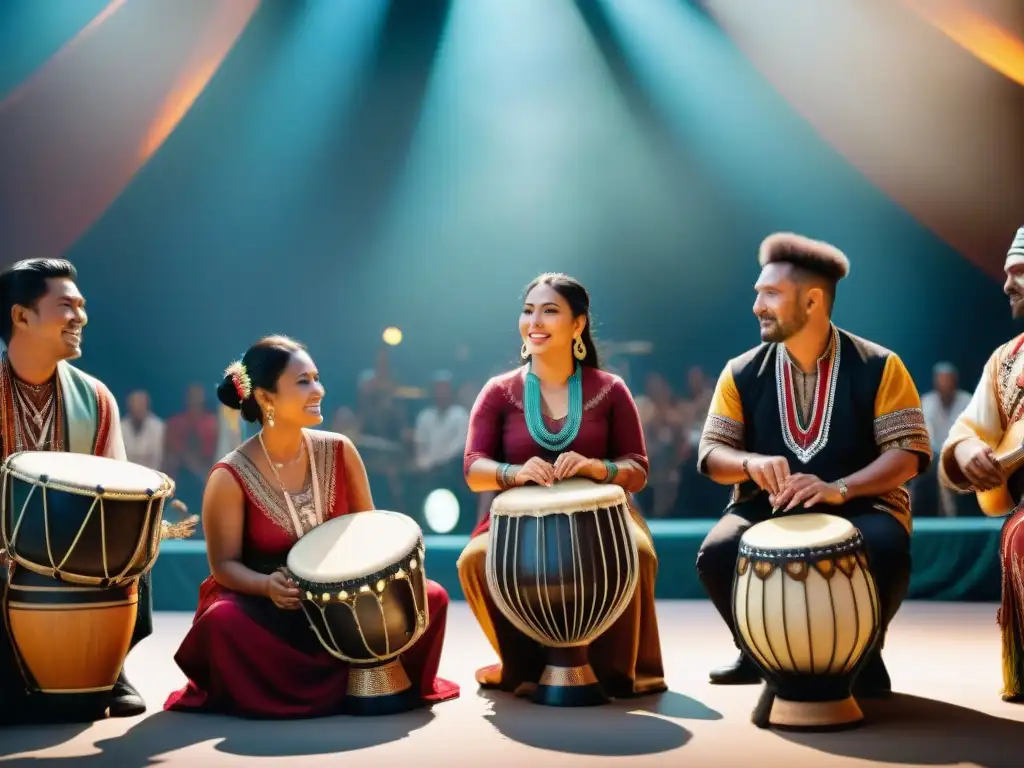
point(967, 463)
point(46, 404)
point(814, 419)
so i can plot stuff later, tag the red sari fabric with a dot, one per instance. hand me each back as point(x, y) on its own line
point(244, 656)
point(610, 428)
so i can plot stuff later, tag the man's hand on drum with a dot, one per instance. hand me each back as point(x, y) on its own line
point(807, 490)
point(769, 472)
point(283, 592)
point(978, 463)
point(536, 470)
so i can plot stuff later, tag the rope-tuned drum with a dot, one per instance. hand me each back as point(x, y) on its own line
point(364, 591)
point(562, 566)
point(80, 530)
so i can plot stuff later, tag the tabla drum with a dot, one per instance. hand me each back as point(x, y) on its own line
point(365, 595)
point(83, 519)
point(69, 640)
point(562, 566)
point(806, 611)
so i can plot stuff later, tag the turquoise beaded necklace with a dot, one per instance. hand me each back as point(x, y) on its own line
point(535, 418)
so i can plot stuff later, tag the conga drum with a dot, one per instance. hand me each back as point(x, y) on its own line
point(365, 594)
point(562, 566)
point(80, 531)
point(83, 519)
point(806, 611)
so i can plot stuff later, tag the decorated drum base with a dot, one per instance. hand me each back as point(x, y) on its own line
point(773, 711)
point(568, 680)
point(379, 689)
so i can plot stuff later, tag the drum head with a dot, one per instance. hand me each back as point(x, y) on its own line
point(79, 470)
point(577, 494)
point(353, 546)
point(799, 532)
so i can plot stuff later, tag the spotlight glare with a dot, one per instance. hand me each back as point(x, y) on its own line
point(393, 336)
point(441, 510)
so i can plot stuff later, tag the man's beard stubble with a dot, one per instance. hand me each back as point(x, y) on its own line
point(778, 331)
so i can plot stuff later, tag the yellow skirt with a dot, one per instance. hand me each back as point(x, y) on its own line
point(626, 658)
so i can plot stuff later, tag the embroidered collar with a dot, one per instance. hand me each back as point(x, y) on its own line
point(807, 443)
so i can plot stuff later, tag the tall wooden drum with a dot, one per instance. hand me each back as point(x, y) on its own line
point(562, 566)
point(806, 612)
point(80, 531)
point(364, 592)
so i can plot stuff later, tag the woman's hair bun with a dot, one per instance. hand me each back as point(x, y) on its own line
point(228, 394)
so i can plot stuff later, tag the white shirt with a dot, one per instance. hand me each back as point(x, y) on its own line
point(440, 437)
point(144, 446)
point(938, 419)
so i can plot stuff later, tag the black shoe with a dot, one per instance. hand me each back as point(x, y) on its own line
point(740, 672)
point(126, 701)
point(873, 681)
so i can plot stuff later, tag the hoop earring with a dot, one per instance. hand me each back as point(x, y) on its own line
point(579, 349)
point(523, 353)
point(270, 418)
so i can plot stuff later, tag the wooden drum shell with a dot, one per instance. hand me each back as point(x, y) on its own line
point(70, 640)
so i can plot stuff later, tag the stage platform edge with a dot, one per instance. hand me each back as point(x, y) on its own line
point(954, 559)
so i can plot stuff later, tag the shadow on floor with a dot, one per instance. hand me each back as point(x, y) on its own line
point(910, 729)
point(166, 732)
point(626, 727)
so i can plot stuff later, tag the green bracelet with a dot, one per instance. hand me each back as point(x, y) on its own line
point(612, 471)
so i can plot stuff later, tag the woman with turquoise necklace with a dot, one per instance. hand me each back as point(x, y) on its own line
point(559, 416)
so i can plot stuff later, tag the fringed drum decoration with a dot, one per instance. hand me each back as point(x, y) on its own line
point(80, 530)
point(562, 566)
point(806, 611)
point(364, 592)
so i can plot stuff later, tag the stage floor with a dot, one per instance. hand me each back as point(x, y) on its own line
point(943, 658)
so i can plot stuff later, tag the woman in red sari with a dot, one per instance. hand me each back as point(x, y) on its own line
point(605, 444)
point(251, 651)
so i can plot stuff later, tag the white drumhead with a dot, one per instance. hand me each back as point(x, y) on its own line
point(353, 546)
point(577, 494)
point(81, 470)
point(798, 532)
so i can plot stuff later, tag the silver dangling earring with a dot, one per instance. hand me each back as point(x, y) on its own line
point(523, 353)
point(270, 418)
point(579, 349)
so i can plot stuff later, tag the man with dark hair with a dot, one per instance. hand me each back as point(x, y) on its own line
point(46, 404)
point(814, 419)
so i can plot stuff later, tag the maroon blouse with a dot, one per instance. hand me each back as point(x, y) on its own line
point(610, 428)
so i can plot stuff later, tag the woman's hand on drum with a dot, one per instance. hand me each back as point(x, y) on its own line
point(807, 490)
point(283, 592)
point(536, 470)
point(570, 464)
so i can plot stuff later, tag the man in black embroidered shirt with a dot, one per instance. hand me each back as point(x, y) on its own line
point(813, 419)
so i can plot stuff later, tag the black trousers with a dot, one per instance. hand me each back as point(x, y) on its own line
point(886, 540)
point(16, 704)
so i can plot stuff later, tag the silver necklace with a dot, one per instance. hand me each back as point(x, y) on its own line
point(283, 464)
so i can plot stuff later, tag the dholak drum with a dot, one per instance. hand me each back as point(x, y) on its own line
point(562, 566)
point(70, 641)
point(365, 595)
point(83, 519)
point(806, 611)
